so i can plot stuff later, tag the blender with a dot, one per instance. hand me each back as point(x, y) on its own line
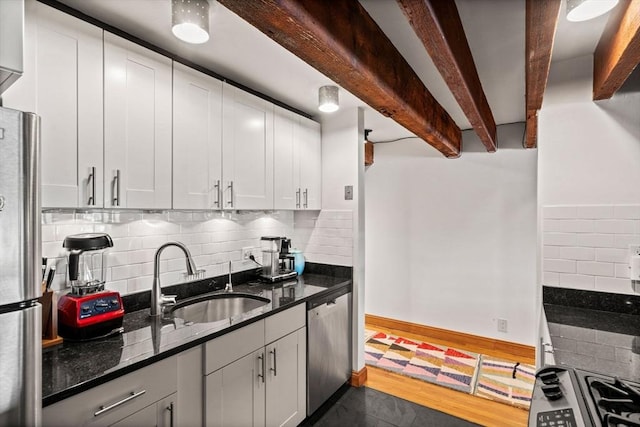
point(88, 311)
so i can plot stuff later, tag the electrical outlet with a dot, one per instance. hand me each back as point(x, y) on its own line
point(502, 325)
point(246, 252)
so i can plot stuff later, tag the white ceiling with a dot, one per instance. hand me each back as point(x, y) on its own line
point(495, 31)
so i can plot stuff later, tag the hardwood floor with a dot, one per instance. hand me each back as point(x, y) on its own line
point(471, 408)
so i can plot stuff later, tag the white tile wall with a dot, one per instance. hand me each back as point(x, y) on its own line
point(587, 246)
point(213, 238)
point(325, 236)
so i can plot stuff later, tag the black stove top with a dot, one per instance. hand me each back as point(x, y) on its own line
point(565, 397)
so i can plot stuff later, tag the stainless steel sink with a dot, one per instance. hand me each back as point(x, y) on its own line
point(211, 308)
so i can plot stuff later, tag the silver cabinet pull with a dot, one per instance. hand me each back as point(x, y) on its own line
point(298, 198)
point(261, 359)
point(170, 409)
point(275, 363)
point(306, 198)
point(92, 178)
point(131, 396)
point(116, 189)
point(230, 187)
point(218, 195)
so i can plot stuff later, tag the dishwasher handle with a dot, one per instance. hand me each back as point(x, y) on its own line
point(328, 299)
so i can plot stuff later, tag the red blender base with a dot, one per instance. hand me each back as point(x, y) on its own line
point(82, 317)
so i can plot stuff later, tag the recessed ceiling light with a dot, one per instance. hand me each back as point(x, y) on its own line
point(583, 10)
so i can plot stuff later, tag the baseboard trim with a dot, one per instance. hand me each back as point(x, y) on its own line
point(486, 344)
point(358, 378)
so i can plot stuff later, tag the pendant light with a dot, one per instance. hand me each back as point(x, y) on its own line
point(190, 20)
point(328, 101)
point(583, 10)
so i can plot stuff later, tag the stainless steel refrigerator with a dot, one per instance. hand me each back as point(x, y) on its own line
point(20, 260)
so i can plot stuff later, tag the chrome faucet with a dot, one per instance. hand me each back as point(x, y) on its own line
point(229, 286)
point(158, 300)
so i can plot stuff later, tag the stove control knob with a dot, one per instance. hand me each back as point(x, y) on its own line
point(552, 391)
point(549, 378)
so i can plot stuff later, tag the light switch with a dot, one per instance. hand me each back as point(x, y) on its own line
point(348, 192)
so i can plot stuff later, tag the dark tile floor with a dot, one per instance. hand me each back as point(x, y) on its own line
point(365, 407)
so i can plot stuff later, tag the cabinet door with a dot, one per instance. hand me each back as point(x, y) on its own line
point(160, 414)
point(286, 173)
point(247, 150)
point(137, 126)
point(197, 139)
point(286, 380)
point(235, 394)
point(63, 84)
point(310, 157)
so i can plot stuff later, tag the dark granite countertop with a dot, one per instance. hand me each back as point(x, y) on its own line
point(73, 367)
point(595, 340)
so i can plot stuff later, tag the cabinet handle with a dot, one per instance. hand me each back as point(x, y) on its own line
point(230, 187)
point(298, 198)
point(116, 189)
point(306, 198)
point(275, 363)
point(217, 187)
point(261, 358)
point(170, 409)
point(132, 396)
point(92, 178)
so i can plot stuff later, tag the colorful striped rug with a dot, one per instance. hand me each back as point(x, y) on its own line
point(473, 373)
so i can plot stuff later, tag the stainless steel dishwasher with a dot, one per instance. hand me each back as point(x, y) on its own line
point(328, 346)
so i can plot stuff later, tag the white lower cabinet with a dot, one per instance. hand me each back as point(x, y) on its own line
point(139, 395)
point(263, 387)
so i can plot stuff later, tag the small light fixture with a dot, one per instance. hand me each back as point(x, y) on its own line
point(328, 99)
point(190, 20)
point(583, 10)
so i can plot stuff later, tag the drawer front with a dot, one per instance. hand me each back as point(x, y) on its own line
point(232, 346)
point(125, 395)
point(284, 323)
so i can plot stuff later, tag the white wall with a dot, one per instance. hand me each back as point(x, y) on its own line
point(451, 243)
point(343, 164)
point(589, 170)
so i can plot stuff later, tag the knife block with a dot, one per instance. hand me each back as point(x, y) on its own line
point(49, 319)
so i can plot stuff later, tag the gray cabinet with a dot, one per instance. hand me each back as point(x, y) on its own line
point(116, 400)
point(158, 414)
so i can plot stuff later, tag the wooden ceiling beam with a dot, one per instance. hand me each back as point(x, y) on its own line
point(618, 51)
point(541, 22)
point(438, 25)
point(344, 43)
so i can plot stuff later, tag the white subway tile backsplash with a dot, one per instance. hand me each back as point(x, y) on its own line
point(559, 239)
point(615, 226)
point(568, 225)
point(615, 285)
point(595, 240)
point(213, 239)
point(577, 281)
point(596, 268)
point(559, 265)
point(622, 271)
point(611, 255)
point(627, 211)
point(551, 251)
point(576, 253)
point(624, 240)
point(560, 211)
point(550, 278)
point(595, 212)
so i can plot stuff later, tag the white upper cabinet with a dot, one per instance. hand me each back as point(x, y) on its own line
point(286, 166)
point(310, 158)
point(62, 83)
point(247, 150)
point(298, 179)
point(137, 126)
point(197, 139)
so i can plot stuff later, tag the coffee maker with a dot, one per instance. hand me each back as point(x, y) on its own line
point(88, 311)
point(274, 265)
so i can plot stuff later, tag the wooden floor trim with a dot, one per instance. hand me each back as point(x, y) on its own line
point(358, 378)
point(476, 343)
